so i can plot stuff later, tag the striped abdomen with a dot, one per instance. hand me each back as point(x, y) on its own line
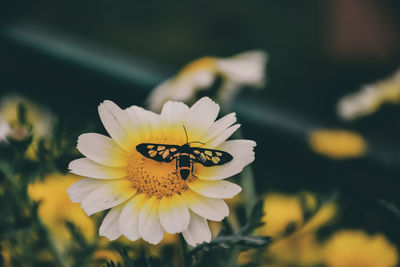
point(185, 165)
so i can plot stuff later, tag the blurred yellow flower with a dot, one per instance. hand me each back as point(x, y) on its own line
point(280, 211)
point(294, 239)
point(104, 255)
point(244, 69)
point(56, 208)
point(370, 98)
point(337, 144)
point(300, 249)
point(40, 119)
point(5, 253)
point(354, 248)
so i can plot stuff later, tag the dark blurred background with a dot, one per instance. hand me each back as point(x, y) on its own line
point(71, 55)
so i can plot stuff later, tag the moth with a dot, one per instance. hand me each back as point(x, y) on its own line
point(184, 155)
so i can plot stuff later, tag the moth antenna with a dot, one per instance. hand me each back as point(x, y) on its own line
point(187, 139)
point(197, 142)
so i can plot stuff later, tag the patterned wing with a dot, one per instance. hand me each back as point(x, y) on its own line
point(158, 152)
point(210, 157)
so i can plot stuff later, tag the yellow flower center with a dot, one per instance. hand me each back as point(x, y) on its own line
point(155, 178)
point(205, 63)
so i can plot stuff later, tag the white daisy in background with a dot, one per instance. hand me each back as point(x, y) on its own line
point(370, 98)
point(244, 69)
point(4, 130)
point(41, 120)
point(148, 198)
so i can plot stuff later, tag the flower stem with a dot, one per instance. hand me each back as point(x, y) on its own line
point(247, 182)
point(58, 259)
point(183, 251)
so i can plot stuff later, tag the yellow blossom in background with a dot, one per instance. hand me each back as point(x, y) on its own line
point(5, 253)
point(325, 214)
point(244, 69)
point(337, 143)
point(370, 98)
point(105, 255)
point(294, 240)
point(40, 119)
point(303, 250)
point(280, 211)
point(56, 208)
point(354, 248)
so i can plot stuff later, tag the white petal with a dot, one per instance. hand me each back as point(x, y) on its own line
point(102, 149)
point(222, 137)
point(160, 95)
point(129, 219)
point(144, 120)
point(149, 223)
point(109, 195)
point(243, 154)
point(88, 168)
point(198, 230)
point(200, 118)
point(173, 112)
point(79, 190)
point(4, 130)
point(174, 214)
point(210, 208)
point(118, 124)
point(246, 68)
point(220, 126)
point(110, 227)
point(215, 189)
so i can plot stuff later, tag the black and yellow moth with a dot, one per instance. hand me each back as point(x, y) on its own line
point(185, 156)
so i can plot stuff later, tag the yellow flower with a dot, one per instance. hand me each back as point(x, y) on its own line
point(55, 208)
point(370, 98)
point(294, 240)
point(337, 144)
point(41, 121)
point(244, 69)
point(354, 248)
point(5, 252)
point(151, 177)
point(280, 211)
point(104, 255)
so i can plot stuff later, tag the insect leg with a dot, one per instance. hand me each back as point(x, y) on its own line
point(176, 166)
point(191, 162)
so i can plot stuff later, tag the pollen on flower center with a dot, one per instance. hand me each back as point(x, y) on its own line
point(155, 178)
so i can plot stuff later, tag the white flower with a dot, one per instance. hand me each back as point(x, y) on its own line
point(148, 198)
point(370, 98)
point(4, 130)
point(41, 120)
point(244, 69)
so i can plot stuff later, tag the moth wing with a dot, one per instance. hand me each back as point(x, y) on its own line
point(158, 152)
point(210, 157)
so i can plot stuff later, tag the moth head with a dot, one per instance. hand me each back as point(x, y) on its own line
point(187, 138)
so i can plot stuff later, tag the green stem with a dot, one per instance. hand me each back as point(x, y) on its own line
point(233, 257)
point(183, 251)
point(58, 259)
point(247, 182)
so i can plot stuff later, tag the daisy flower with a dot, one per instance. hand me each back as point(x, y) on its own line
point(337, 143)
point(370, 98)
point(355, 248)
point(244, 69)
point(149, 197)
point(39, 122)
point(42, 120)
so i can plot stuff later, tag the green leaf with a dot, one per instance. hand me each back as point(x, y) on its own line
point(241, 240)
